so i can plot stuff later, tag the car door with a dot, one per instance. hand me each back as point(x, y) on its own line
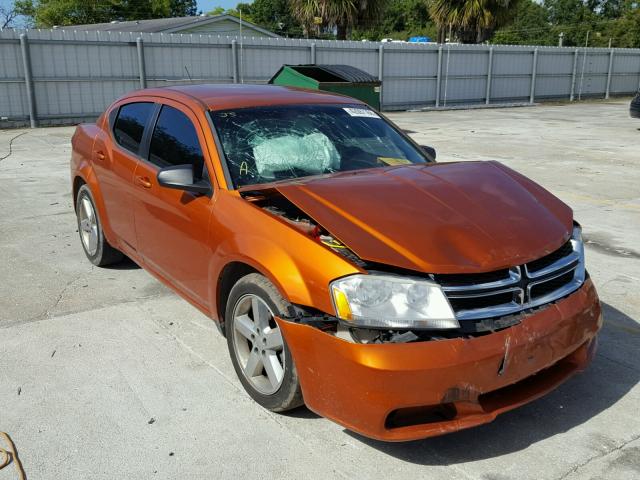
point(115, 159)
point(172, 225)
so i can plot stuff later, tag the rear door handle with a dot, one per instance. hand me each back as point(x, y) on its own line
point(100, 155)
point(143, 182)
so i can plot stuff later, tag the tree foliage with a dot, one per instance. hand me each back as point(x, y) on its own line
point(533, 22)
point(601, 21)
point(47, 13)
point(471, 21)
point(343, 15)
point(7, 17)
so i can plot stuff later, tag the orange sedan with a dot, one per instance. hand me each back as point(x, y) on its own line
point(397, 296)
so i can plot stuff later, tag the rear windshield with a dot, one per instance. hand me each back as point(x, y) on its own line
point(266, 144)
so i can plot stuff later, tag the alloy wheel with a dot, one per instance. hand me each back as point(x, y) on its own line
point(258, 344)
point(88, 226)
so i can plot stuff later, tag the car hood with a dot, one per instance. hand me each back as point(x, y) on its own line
point(437, 218)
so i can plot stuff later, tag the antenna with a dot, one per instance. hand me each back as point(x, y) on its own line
point(188, 74)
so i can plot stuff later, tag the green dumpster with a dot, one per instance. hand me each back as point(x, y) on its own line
point(343, 79)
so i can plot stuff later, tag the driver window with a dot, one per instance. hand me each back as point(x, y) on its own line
point(175, 142)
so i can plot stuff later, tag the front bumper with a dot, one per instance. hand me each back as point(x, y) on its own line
point(400, 392)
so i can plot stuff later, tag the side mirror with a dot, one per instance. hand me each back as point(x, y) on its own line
point(430, 151)
point(180, 177)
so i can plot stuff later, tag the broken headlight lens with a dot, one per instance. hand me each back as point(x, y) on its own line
point(386, 301)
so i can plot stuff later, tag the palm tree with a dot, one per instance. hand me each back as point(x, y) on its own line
point(472, 21)
point(342, 14)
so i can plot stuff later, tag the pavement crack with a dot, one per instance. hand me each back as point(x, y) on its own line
point(598, 456)
point(47, 313)
point(43, 316)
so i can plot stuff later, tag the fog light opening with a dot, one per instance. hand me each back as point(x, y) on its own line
point(407, 417)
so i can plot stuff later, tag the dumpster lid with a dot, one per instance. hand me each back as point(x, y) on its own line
point(344, 73)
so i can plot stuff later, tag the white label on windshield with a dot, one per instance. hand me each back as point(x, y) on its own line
point(361, 112)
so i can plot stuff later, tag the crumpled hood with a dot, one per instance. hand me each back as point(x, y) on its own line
point(437, 218)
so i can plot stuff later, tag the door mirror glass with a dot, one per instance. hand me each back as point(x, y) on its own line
point(430, 152)
point(180, 177)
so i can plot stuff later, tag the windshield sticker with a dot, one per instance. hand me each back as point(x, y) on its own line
point(361, 112)
point(394, 161)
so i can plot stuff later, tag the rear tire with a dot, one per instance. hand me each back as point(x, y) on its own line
point(95, 245)
point(259, 353)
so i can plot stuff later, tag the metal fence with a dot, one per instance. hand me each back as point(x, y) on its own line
point(57, 76)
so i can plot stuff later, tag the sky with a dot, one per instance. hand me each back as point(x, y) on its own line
point(208, 5)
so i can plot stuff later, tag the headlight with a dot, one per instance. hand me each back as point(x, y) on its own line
point(578, 247)
point(385, 301)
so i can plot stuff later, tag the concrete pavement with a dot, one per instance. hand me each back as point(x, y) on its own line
point(105, 373)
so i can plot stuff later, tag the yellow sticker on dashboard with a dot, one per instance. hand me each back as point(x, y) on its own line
point(394, 161)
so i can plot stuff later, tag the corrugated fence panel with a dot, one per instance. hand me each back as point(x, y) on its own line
point(77, 74)
point(410, 76)
point(626, 68)
point(260, 58)
point(512, 70)
point(554, 73)
point(465, 75)
point(12, 90)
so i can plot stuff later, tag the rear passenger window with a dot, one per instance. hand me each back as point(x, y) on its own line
point(130, 123)
point(175, 142)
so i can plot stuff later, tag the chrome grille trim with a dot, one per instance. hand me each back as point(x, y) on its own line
point(521, 281)
point(514, 279)
point(573, 258)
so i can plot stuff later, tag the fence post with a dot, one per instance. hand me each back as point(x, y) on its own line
point(28, 79)
point(141, 67)
point(606, 95)
point(489, 74)
point(313, 54)
point(573, 75)
point(234, 60)
point(534, 68)
point(439, 76)
point(381, 70)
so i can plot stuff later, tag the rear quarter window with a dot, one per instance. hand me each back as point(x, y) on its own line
point(130, 124)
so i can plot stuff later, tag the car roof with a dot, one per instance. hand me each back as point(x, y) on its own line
point(229, 96)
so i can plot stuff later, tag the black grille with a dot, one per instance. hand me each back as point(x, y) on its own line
point(469, 303)
point(549, 286)
point(547, 260)
point(447, 280)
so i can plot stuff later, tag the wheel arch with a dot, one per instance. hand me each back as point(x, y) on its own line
point(228, 277)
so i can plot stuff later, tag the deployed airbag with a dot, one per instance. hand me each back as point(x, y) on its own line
point(313, 153)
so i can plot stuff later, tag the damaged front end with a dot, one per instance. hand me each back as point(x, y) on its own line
point(407, 391)
point(485, 344)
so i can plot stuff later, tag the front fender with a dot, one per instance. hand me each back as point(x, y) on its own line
point(298, 265)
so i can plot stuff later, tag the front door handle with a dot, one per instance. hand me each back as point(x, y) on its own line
point(143, 182)
point(100, 155)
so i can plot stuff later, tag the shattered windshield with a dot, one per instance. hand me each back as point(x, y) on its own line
point(266, 144)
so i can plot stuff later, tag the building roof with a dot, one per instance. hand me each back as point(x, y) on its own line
point(164, 25)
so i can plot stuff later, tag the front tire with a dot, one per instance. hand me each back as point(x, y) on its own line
point(259, 353)
point(94, 244)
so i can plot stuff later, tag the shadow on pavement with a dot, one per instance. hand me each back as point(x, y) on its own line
point(125, 264)
point(613, 373)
